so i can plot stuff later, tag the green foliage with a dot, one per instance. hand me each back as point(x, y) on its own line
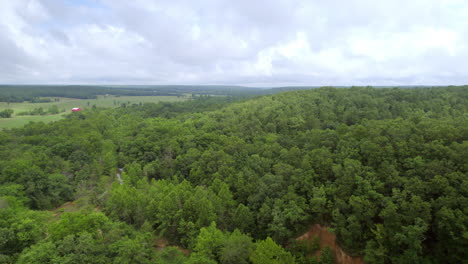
point(301, 248)
point(223, 247)
point(327, 257)
point(90, 238)
point(315, 243)
point(14, 190)
point(136, 250)
point(386, 168)
point(40, 253)
point(76, 223)
point(51, 110)
point(267, 251)
point(6, 113)
point(237, 248)
point(172, 255)
point(20, 93)
point(210, 241)
point(19, 226)
point(72, 249)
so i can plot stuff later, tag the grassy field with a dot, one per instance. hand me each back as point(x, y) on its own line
point(66, 104)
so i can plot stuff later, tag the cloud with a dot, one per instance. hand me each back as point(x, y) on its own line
point(268, 43)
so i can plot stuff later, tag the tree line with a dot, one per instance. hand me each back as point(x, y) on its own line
point(35, 93)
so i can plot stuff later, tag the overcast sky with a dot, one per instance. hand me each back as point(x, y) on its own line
point(243, 42)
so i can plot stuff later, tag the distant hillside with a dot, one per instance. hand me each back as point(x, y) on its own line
point(20, 93)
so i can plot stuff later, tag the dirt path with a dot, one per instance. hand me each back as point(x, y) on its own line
point(119, 175)
point(160, 244)
point(327, 238)
point(66, 207)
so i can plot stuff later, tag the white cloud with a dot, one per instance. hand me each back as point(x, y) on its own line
point(276, 42)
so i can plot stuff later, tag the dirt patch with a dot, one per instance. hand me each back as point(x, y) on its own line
point(160, 244)
point(66, 207)
point(327, 238)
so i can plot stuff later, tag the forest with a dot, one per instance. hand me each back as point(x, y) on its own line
point(237, 181)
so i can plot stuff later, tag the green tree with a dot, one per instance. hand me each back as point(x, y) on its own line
point(6, 113)
point(210, 241)
point(236, 249)
point(137, 250)
point(327, 257)
point(268, 252)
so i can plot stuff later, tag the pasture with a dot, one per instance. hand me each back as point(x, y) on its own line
point(66, 104)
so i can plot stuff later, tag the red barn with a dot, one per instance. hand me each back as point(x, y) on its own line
point(76, 109)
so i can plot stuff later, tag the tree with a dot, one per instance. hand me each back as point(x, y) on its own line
point(243, 219)
point(76, 223)
point(268, 252)
point(137, 250)
point(173, 255)
point(6, 113)
point(236, 249)
point(19, 227)
point(37, 254)
point(327, 257)
point(53, 110)
point(210, 241)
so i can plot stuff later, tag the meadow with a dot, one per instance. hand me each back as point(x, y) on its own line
point(66, 104)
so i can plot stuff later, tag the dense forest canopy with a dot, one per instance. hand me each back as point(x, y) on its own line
point(385, 169)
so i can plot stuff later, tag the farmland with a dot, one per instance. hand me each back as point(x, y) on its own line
point(65, 104)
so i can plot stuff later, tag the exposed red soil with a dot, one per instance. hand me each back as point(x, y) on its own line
point(327, 238)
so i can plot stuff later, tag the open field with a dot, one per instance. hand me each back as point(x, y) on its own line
point(19, 121)
point(65, 104)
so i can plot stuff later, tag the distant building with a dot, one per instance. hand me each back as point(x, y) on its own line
point(76, 109)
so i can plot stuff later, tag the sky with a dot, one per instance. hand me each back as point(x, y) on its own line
point(240, 42)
